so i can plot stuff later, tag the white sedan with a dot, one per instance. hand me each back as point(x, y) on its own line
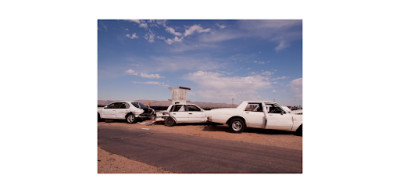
point(258, 114)
point(182, 113)
point(130, 111)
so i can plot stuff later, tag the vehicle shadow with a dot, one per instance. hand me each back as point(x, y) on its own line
point(247, 130)
point(119, 121)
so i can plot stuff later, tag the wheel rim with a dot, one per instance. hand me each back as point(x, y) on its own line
point(169, 121)
point(237, 125)
point(130, 119)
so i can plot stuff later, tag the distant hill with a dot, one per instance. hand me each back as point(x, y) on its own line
point(204, 105)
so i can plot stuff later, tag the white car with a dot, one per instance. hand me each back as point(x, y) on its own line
point(130, 111)
point(258, 114)
point(182, 113)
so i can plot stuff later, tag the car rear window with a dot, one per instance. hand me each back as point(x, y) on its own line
point(136, 104)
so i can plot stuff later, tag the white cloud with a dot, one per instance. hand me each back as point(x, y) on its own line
point(220, 26)
point(132, 36)
point(162, 22)
point(275, 24)
point(142, 74)
point(131, 72)
point(219, 36)
point(267, 73)
point(161, 37)
point(149, 36)
point(143, 25)
point(178, 63)
point(172, 31)
point(297, 86)
point(259, 62)
point(280, 31)
point(151, 83)
point(280, 78)
point(282, 45)
point(196, 28)
point(134, 20)
point(154, 76)
point(171, 41)
point(214, 85)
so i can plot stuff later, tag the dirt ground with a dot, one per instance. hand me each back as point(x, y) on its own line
point(111, 163)
point(259, 136)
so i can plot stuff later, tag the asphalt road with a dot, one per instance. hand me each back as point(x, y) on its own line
point(192, 154)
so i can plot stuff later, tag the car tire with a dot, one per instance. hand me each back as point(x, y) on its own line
point(169, 122)
point(237, 125)
point(130, 118)
point(299, 131)
point(99, 119)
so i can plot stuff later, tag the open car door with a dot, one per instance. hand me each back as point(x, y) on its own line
point(277, 118)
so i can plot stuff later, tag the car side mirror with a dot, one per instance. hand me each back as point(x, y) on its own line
point(282, 112)
point(105, 106)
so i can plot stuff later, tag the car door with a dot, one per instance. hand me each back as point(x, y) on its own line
point(277, 118)
point(121, 110)
point(179, 113)
point(195, 114)
point(254, 115)
point(109, 111)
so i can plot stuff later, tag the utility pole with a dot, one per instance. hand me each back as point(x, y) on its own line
point(232, 101)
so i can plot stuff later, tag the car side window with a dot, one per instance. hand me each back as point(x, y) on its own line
point(123, 106)
point(117, 105)
point(177, 108)
point(112, 106)
point(192, 108)
point(275, 109)
point(254, 107)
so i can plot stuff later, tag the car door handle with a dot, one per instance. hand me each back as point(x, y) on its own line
point(190, 113)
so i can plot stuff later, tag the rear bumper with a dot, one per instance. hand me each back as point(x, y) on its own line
point(146, 115)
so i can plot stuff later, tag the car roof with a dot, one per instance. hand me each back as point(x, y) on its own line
point(185, 104)
point(269, 102)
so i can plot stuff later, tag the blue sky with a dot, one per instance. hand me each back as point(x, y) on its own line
point(218, 59)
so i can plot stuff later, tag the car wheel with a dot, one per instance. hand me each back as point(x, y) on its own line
point(237, 125)
point(299, 131)
point(99, 119)
point(169, 122)
point(130, 119)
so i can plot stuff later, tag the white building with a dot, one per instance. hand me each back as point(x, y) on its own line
point(179, 95)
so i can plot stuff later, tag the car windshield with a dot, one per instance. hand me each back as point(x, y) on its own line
point(139, 105)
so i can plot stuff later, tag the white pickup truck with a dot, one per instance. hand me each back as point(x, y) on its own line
point(258, 114)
